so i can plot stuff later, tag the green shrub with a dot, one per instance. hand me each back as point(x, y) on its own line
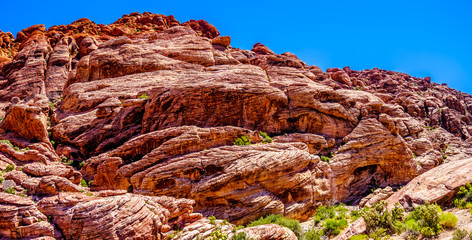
point(266, 138)
point(143, 96)
point(463, 198)
point(243, 140)
point(7, 142)
point(81, 164)
point(359, 237)
point(10, 168)
point(239, 236)
point(333, 227)
point(341, 210)
point(461, 234)
point(325, 159)
point(448, 220)
point(217, 234)
point(83, 183)
point(313, 234)
point(1, 180)
point(10, 190)
point(212, 220)
point(355, 215)
point(424, 220)
point(379, 217)
point(378, 234)
point(291, 224)
point(64, 159)
point(323, 213)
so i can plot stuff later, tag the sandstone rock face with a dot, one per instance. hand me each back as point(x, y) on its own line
point(269, 231)
point(20, 218)
point(437, 185)
point(27, 122)
point(375, 197)
point(26, 72)
point(122, 216)
point(151, 106)
point(384, 160)
point(220, 178)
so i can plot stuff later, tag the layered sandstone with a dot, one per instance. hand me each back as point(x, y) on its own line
point(144, 113)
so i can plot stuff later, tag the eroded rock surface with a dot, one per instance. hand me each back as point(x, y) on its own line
point(151, 106)
point(437, 185)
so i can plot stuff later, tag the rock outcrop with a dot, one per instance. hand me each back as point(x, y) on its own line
point(437, 185)
point(128, 130)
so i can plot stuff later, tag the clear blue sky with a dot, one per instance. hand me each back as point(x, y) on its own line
point(422, 38)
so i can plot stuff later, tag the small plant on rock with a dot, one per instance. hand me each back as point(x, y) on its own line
point(266, 138)
point(10, 168)
point(239, 236)
point(143, 96)
point(10, 190)
point(217, 234)
point(212, 220)
point(325, 159)
point(7, 142)
point(83, 183)
point(243, 140)
point(359, 237)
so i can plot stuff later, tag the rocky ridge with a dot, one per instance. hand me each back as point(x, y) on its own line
point(144, 114)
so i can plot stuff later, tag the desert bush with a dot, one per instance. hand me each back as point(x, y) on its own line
point(325, 159)
point(265, 137)
point(291, 224)
point(333, 227)
point(83, 183)
point(448, 220)
point(10, 190)
point(463, 198)
point(239, 236)
point(212, 219)
point(9, 168)
point(379, 217)
point(243, 140)
point(217, 234)
point(378, 234)
point(461, 234)
point(332, 219)
point(143, 96)
point(7, 142)
point(323, 213)
point(424, 220)
point(313, 234)
point(359, 237)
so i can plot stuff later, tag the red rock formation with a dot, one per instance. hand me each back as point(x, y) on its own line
point(151, 106)
point(437, 185)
